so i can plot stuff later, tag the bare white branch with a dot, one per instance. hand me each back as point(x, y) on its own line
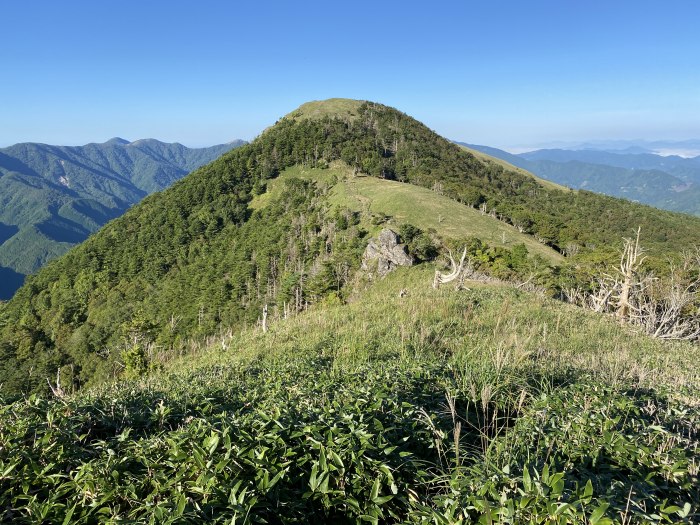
point(442, 278)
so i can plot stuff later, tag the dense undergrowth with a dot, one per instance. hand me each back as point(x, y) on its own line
point(299, 442)
point(491, 406)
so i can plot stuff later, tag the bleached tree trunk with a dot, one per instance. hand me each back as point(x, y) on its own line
point(57, 391)
point(662, 308)
point(629, 267)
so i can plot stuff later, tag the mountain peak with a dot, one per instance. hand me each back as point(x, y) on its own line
point(146, 142)
point(317, 109)
point(117, 140)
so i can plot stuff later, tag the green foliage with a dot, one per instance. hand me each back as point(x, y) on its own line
point(137, 337)
point(290, 439)
point(624, 454)
point(348, 412)
point(420, 244)
point(313, 447)
point(135, 361)
point(196, 257)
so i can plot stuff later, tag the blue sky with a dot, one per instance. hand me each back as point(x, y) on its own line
point(502, 73)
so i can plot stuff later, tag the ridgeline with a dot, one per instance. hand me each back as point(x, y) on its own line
point(217, 354)
point(196, 256)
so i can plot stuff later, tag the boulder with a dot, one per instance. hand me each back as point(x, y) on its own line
point(385, 254)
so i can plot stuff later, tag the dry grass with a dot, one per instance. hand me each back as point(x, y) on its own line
point(318, 109)
point(499, 337)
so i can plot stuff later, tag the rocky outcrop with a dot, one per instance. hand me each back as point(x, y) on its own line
point(385, 253)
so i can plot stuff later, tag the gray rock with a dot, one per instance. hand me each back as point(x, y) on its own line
point(384, 254)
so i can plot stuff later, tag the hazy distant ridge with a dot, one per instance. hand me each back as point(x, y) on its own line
point(669, 182)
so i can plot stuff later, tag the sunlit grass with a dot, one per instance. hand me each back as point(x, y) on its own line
point(332, 107)
point(402, 203)
point(425, 406)
point(486, 323)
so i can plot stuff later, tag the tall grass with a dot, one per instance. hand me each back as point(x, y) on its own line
point(484, 405)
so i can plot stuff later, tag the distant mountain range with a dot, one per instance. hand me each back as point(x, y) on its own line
point(52, 197)
point(683, 148)
point(669, 182)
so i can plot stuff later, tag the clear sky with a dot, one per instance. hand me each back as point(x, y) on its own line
point(502, 73)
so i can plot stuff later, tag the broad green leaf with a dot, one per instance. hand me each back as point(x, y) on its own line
point(597, 514)
point(527, 481)
point(375, 489)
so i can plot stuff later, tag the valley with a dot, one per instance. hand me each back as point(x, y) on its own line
point(54, 197)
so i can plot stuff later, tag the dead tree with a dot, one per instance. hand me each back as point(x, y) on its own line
point(600, 299)
point(620, 292)
point(57, 391)
point(264, 319)
point(663, 308)
point(631, 282)
point(442, 278)
point(671, 310)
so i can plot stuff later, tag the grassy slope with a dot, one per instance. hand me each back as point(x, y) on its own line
point(484, 324)
point(408, 203)
point(343, 411)
point(318, 109)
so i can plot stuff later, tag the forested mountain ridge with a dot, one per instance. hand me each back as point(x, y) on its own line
point(666, 182)
point(195, 257)
point(52, 197)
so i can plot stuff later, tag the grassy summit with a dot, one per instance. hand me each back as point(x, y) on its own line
point(332, 107)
